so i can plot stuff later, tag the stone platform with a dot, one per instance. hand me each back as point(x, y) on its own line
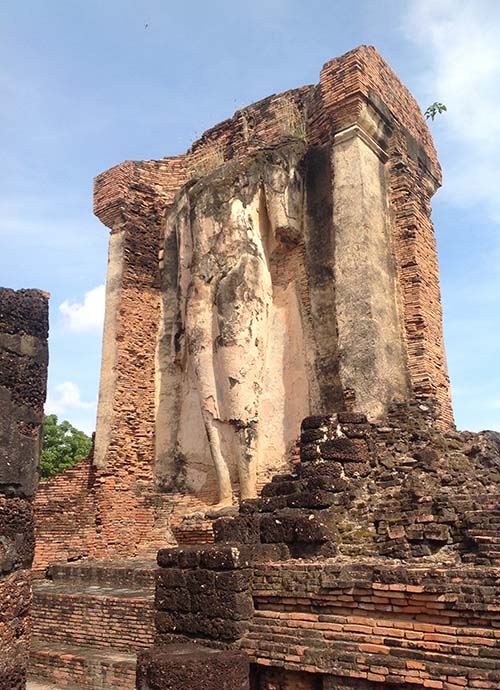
point(371, 565)
point(89, 621)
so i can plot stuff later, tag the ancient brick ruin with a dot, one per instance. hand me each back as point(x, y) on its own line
point(23, 378)
point(275, 421)
point(370, 565)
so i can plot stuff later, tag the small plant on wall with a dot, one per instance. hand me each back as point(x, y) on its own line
point(434, 109)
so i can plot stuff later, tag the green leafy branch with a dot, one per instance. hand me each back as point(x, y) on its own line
point(434, 109)
point(63, 446)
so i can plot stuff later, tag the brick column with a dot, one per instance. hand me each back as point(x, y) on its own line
point(373, 363)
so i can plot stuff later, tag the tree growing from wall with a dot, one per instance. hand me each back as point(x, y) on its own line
point(63, 446)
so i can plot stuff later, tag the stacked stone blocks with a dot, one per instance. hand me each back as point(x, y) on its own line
point(23, 376)
point(406, 601)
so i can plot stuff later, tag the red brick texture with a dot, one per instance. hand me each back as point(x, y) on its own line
point(89, 620)
point(93, 615)
point(65, 526)
point(382, 623)
point(84, 668)
point(363, 75)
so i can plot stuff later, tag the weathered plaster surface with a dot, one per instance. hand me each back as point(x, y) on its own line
point(231, 342)
point(372, 361)
point(107, 385)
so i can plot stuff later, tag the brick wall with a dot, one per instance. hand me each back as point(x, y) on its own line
point(65, 526)
point(99, 616)
point(418, 272)
point(429, 627)
point(80, 671)
point(23, 376)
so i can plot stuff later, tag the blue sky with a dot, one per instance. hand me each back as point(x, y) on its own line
point(85, 84)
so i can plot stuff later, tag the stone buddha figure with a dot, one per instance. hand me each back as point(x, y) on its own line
point(234, 231)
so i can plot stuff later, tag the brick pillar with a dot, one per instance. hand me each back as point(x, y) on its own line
point(130, 199)
point(373, 363)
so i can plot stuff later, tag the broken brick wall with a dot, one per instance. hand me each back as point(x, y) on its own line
point(65, 521)
point(407, 595)
point(356, 92)
point(23, 376)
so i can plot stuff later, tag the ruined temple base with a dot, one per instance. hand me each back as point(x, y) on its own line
point(89, 620)
point(372, 564)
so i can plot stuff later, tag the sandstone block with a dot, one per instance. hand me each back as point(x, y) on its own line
point(214, 557)
point(243, 529)
point(345, 449)
point(185, 667)
point(17, 540)
point(23, 376)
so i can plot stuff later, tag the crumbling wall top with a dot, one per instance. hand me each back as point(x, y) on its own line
point(363, 71)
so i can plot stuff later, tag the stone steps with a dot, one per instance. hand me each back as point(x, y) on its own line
point(93, 615)
point(127, 572)
point(78, 667)
point(90, 619)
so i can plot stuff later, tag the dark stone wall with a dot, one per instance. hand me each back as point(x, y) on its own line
point(374, 563)
point(23, 379)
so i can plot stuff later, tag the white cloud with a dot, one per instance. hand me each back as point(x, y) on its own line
point(68, 398)
point(86, 315)
point(461, 58)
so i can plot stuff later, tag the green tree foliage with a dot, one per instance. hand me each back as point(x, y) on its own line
point(434, 109)
point(63, 446)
